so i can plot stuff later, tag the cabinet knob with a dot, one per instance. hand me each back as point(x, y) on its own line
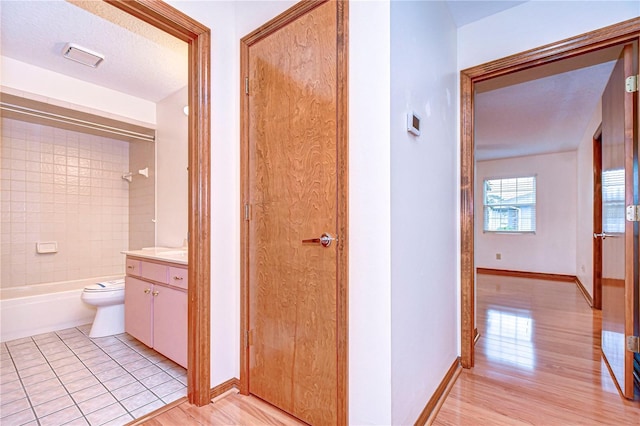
point(130, 267)
point(147, 290)
point(177, 278)
point(155, 293)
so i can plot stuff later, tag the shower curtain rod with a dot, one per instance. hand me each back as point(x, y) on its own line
point(75, 122)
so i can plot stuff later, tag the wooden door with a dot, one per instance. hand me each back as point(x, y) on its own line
point(619, 245)
point(137, 310)
point(292, 190)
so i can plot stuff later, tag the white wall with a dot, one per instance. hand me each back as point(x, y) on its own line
point(552, 249)
point(584, 237)
point(423, 204)
point(369, 214)
point(172, 179)
point(70, 92)
point(536, 23)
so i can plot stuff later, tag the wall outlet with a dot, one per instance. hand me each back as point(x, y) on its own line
point(498, 256)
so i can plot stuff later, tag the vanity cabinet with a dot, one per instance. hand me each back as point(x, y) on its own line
point(155, 306)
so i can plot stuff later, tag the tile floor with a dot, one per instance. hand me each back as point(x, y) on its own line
point(66, 378)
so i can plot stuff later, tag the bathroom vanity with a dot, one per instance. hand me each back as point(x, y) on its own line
point(155, 303)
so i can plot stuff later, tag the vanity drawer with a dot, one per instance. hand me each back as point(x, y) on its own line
point(154, 271)
point(133, 267)
point(178, 277)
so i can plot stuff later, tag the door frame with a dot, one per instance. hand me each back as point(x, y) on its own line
point(170, 20)
point(342, 171)
point(625, 31)
point(597, 218)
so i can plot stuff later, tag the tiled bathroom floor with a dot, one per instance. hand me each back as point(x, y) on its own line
point(66, 378)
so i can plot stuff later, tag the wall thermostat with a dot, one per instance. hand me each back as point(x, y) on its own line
point(413, 123)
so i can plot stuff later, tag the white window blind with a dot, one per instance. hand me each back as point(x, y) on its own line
point(510, 204)
point(613, 217)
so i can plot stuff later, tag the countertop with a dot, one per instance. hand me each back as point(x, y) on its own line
point(174, 255)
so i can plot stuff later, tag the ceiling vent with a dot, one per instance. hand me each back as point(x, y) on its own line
point(83, 55)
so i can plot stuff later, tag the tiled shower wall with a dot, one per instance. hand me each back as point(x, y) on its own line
point(63, 186)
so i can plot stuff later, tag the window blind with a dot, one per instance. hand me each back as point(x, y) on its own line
point(613, 217)
point(510, 204)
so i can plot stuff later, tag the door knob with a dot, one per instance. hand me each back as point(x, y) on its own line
point(324, 240)
point(603, 235)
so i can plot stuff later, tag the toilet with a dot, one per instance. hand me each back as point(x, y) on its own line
point(108, 298)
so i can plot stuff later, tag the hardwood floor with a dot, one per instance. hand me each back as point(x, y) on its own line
point(230, 409)
point(538, 361)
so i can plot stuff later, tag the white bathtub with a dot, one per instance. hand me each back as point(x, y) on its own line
point(36, 309)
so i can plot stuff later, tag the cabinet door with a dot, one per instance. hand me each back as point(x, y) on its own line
point(170, 323)
point(138, 310)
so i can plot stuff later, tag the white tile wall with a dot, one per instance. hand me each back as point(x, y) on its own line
point(64, 186)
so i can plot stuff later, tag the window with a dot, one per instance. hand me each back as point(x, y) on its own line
point(510, 204)
point(613, 217)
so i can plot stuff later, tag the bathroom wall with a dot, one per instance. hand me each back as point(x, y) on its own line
point(142, 200)
point(172, 157)
point(62, 186)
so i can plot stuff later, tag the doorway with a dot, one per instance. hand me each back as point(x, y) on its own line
point(597, 219)
point(174, 22)
point(610, 36)
point(294, 196)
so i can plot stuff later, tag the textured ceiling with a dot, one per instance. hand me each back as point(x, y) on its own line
point(464, 11)
point(140, 60)
point(540, 110)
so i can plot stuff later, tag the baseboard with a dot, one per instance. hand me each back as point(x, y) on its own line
point(430, 411)
point(584, 292)
point(223, 387)
point(539, 276)
point(526, 274)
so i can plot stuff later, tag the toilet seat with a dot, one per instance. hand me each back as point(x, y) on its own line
point(115, 285)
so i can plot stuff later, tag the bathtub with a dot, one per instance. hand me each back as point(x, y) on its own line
point(41, 308)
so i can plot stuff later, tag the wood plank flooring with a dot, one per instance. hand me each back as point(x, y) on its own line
point(537, 361)
point(231, 409)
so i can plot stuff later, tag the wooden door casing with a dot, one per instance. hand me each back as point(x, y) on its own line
point(170, 20)
point(597, 219)
point(294, 188)
point(580, 44)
